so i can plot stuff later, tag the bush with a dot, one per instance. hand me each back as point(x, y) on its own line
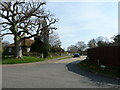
point(33, 54)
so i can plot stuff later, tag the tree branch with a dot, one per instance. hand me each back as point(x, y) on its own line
point(6, 34)
point(4, 29)
point(29, 36)
point(5, 23)
point(30, 13)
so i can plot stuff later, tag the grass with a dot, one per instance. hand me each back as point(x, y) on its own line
point(26, 59)
point(109, 70)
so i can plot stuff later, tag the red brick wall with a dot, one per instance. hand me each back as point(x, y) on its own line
point(105, 55)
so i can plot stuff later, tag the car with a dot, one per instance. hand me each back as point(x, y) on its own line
point(76, 55)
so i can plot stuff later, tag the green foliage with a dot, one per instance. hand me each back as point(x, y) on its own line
point(117, 40)
point(55, 49)
point(40, 47)
point(37, 46)
point(6, 52)
point(102, 44)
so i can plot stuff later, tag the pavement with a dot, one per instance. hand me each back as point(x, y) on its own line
point(59, 74)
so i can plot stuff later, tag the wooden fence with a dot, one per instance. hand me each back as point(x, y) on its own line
point(105, 55)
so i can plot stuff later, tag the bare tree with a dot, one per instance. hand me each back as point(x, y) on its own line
point(72, 49)
point(24, 20)
point(16, 19)
point(101, 38)
point(81, 45)
point(92, 43)
point(54, 40)
point(55, 43)
point(102, 41)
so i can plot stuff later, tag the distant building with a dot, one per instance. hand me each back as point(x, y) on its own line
point(26, 44)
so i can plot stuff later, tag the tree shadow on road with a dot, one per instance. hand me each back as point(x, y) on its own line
point(99, 79)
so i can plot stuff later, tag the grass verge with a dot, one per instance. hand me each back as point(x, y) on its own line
point(26, 59)
point(109, 70)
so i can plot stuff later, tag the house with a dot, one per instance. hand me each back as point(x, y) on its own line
point(26, 44)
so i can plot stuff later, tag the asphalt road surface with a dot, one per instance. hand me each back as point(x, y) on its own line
point(59, 74)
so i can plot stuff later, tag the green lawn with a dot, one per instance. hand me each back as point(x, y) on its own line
point(109, 70)
point(26, 59)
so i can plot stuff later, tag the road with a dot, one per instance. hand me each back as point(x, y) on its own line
point(60, 74)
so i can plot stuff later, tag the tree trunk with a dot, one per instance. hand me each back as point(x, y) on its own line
point(18, 49)
point(46, 43)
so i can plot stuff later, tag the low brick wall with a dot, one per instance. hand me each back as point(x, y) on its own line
point(105, 55)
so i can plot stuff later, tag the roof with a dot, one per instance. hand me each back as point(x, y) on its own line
point(11, 45)
point(25, 42)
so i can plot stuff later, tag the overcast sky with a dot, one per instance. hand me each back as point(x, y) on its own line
point(82, 21)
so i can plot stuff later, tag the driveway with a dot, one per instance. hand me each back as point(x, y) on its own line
point(59, 74)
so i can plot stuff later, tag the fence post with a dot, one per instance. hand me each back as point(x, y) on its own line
point(98, 62)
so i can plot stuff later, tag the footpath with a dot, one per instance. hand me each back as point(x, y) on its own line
point(41, 62)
